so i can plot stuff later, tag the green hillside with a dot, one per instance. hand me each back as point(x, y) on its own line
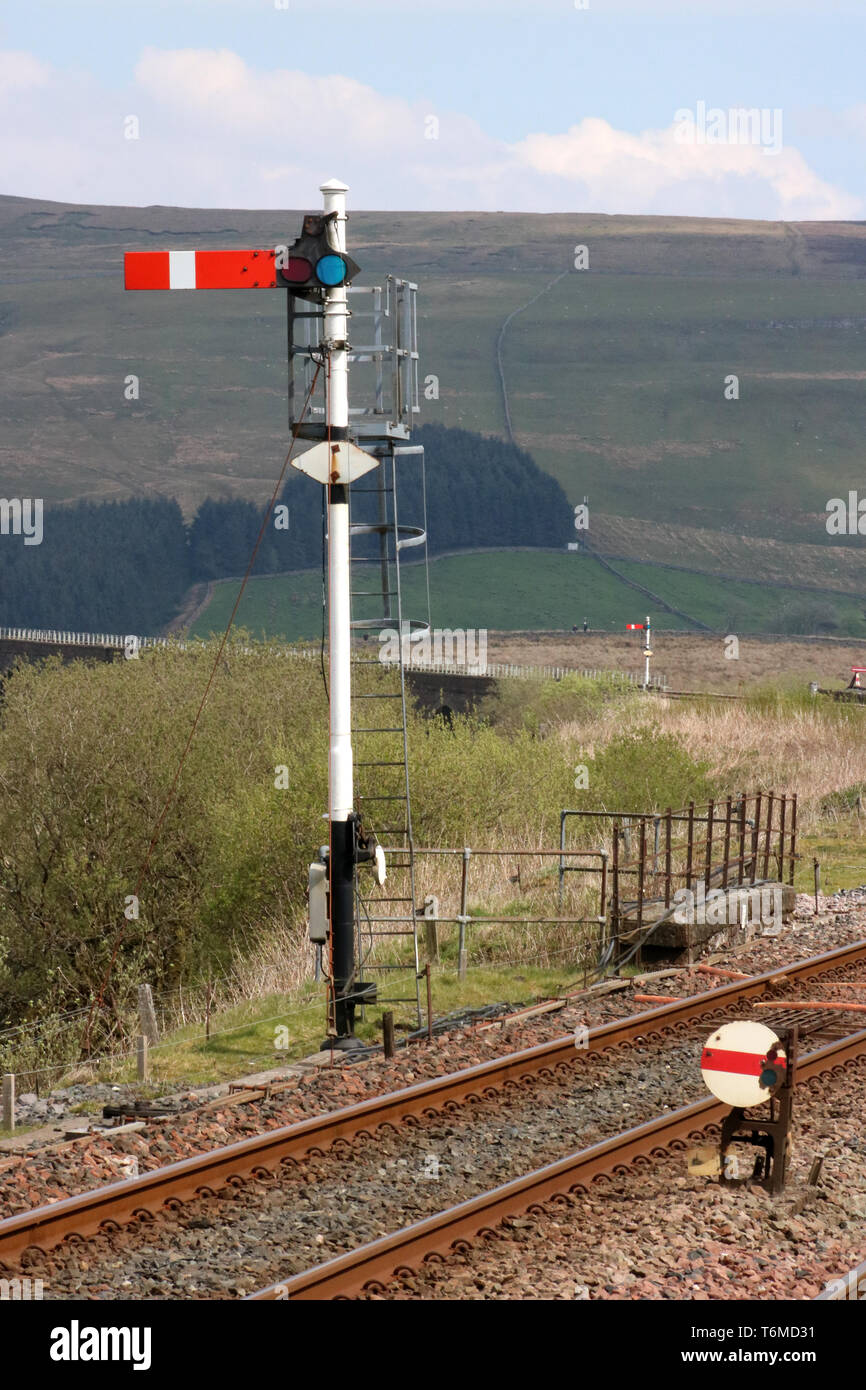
point(615, 375)
point(535, 589)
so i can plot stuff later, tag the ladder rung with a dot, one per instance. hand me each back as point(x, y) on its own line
point(399, 763)
point(377, 902)
point(388, 729)
point(382, 798)
point(389, 695)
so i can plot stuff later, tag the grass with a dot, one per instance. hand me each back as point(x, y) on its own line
point(243, 1038)
point(519, 589)
point(840, 848)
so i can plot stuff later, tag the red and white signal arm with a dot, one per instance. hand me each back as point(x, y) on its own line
point(201, 270)
point(634, 627)
point(740, 1063)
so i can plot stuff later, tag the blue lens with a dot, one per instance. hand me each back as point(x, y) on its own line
point(331, 270)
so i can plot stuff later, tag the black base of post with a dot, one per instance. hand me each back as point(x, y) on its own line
point(348, 1043)
point(342, 873)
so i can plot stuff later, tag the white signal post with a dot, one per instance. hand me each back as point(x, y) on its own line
point(336, 324)
point(336, 462)
point(340, 770)
point(647, 651)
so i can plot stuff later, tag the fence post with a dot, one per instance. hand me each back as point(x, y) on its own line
point(388, 1033)
point(711, 809)
point(431, 929)
point(147, 1014)
point(770, 800)
point(793, 838)
point(562, 816)
point(602, 916)
point(756, 831)
point(9, 1100)
point(614, 897)
point(463, 919)
point(690, 846)
point(727, 869)
point(141, 1058)
point(781, 855)
point(640, 887)
point(742, 831)
point(668, 818)
point(429, 1003)
point(626, 836)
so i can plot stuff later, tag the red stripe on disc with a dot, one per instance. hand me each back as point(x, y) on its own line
point(743, 1063)
point(235, 270)
point(146, 270)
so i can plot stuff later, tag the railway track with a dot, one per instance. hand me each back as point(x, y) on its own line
point(108, 1208)
point(370, 1267)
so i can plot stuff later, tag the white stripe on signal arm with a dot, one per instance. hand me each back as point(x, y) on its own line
point(181, 270)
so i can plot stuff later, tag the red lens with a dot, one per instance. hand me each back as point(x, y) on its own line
point(298, 270)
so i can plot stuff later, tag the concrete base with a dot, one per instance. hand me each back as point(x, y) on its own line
point(761, 903)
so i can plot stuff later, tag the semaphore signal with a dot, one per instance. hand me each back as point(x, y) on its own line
point(315, 267)
point(647, 647)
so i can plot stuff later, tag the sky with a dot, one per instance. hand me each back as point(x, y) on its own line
point(611, 106)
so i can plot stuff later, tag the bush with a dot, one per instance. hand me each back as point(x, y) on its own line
point(645, 769)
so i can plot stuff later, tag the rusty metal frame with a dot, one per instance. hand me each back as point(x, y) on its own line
point(633, 881)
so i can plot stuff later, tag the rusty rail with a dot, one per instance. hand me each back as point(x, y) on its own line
point(373, 1265)
point(109, 1206)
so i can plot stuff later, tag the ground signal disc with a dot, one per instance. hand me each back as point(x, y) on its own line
point(734, 1061)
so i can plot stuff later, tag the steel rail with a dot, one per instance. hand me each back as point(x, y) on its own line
point(373, 1265)
point(109, 1206)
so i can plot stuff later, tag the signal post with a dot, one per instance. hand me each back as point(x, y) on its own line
point(316, 268)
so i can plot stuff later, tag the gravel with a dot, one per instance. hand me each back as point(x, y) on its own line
point(663, 1233)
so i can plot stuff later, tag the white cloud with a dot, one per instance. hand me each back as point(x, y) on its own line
point(656, 171)
point(216, 132)
point(18, 71)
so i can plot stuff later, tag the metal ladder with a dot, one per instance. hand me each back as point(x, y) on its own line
point(386, 915)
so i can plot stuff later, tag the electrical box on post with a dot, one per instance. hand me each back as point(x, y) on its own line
point(318, 894)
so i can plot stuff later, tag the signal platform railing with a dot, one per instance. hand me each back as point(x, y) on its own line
point(586, 903)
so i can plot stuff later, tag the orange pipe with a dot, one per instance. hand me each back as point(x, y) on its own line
point(718, 970)
point(662, 999)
